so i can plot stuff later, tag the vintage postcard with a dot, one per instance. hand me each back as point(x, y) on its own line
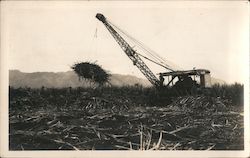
point(124, 79)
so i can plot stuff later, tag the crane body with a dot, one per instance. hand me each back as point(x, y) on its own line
point(184, 77)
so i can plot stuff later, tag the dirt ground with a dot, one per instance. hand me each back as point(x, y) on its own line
point(50, 119)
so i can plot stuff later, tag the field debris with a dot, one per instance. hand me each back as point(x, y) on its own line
point(81, 119)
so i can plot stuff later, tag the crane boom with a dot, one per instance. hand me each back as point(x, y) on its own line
point(130, 52)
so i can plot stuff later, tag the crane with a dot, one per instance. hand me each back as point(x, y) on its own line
point(183, 76)
point(131, 53)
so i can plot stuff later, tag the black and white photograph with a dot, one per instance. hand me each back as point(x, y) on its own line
point(125, 76)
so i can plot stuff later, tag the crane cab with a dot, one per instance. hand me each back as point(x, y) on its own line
point(188, 79)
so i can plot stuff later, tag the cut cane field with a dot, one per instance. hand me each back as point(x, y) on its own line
point(125, 118)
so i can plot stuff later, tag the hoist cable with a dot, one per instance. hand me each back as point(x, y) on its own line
point(149, 51)
point(154, 61)
point(163, 61)
point(138, 43)
point(155, 55)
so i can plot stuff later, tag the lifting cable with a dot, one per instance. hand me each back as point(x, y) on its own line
point(94, 42)
point(95, 35)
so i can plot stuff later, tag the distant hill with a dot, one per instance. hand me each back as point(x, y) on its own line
point(70, 79)
point(65, 79)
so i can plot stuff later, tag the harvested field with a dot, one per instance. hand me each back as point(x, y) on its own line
point(121, 119)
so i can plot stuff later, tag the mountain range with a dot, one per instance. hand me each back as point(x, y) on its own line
point(70, 79)
point(65, 79)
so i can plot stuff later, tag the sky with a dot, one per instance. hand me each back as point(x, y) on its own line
point(53, 35)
